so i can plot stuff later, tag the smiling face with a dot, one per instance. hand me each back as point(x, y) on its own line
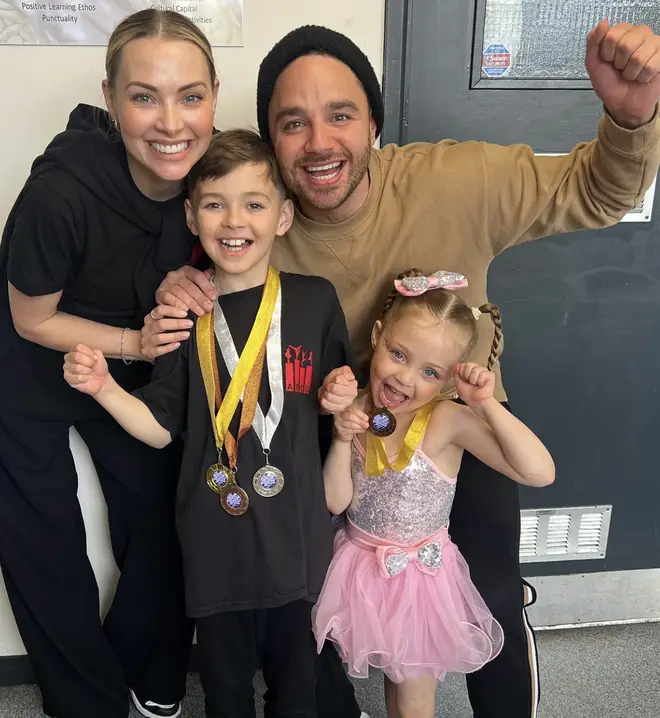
point(237, 218)
point(322, 133)
point(163, 100)
point(415, 355)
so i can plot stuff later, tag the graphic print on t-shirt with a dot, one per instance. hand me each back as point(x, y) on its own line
point(298, 369)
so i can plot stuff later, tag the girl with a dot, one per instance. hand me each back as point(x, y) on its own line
point(98, 224)
point(398, 594)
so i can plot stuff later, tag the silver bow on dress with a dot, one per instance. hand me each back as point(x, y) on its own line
point(394, 560)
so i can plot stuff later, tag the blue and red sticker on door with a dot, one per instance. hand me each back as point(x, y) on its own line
point(495, 61)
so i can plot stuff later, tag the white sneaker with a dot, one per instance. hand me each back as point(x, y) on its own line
point(149, 709)
point(364, 715)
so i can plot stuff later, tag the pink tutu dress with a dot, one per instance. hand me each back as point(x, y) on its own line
point(398, 594)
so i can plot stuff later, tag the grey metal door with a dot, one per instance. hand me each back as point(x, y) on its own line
point(582, 311)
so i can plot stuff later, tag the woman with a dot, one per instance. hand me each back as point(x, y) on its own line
point(97, 226)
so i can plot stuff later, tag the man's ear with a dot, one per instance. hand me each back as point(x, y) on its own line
point(372, 130)
point(286, 218)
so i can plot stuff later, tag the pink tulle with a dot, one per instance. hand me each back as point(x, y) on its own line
point(419, 623)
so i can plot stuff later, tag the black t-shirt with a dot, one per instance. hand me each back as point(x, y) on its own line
point(64, 239)
point(81, 226)
point(280, 549)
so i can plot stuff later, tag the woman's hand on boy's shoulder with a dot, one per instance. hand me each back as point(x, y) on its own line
point(188, 289)
point(338, 391)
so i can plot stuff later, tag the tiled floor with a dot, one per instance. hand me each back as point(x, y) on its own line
point(585, 673)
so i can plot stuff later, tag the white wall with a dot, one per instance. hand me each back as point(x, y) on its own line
point(38, 88)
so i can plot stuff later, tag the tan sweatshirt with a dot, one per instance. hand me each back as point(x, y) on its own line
point(455, 206)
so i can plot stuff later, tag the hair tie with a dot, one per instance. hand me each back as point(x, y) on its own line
point(476, 312)
point(416, 286)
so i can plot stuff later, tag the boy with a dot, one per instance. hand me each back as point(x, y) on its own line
point(251, 513)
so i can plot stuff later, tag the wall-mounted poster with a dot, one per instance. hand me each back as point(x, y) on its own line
point(50, 22)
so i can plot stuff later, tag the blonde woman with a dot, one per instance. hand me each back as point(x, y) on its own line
point(97, 226)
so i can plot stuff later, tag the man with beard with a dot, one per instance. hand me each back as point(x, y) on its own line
point(364, 215)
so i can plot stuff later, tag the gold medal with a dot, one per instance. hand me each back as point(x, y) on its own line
point(217, 477)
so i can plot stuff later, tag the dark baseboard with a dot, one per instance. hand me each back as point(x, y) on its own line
point(17, 670)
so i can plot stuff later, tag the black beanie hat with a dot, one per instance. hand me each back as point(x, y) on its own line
point(308, 40)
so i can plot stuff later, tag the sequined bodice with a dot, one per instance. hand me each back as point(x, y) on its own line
point(400, 506)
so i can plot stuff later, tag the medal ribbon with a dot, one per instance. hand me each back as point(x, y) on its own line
point(250, 397)
point(246, 379)
point(209, 366)
point(264, 427)
point(377, 460)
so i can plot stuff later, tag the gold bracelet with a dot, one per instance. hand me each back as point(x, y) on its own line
point(121, 348)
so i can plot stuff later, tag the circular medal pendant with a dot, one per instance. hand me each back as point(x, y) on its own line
point(218, 476)
point(268, 481)
point(234, 500)
point(382, 422)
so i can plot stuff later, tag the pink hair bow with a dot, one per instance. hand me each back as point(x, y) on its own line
point(414, 286)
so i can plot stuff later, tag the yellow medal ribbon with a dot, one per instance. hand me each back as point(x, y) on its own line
point(254, 348)
point(250, 400)
point(377, 460)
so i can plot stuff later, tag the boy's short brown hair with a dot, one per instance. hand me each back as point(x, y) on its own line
point(231, 149)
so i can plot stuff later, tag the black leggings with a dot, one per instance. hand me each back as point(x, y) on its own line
point(231, 646)
point(84, 666)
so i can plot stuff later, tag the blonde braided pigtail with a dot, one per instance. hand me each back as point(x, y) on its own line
point(494, 312)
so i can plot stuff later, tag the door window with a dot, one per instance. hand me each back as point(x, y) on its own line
point(544, 40)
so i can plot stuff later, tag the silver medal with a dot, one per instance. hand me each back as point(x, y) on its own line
point(268, 481)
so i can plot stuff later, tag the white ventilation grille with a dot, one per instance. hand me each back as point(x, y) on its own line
point(570, 534)
point(642, 212)
point(529, 535)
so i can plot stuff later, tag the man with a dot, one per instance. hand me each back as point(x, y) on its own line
point(364, 215)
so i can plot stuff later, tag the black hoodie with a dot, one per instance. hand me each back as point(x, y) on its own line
point(80, 225)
